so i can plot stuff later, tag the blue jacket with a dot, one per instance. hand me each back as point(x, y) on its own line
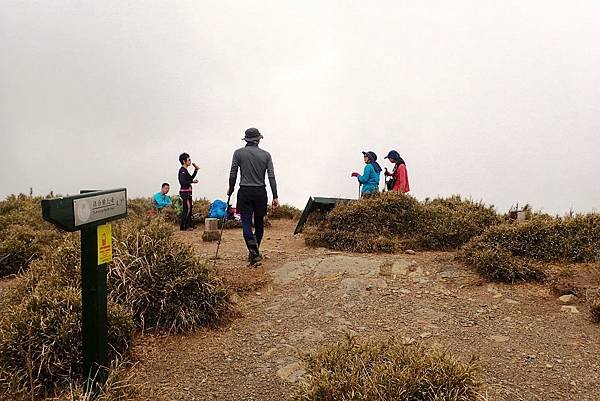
point(161, 201)
point(369, 179)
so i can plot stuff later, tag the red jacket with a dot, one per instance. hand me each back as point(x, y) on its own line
point(401, 176)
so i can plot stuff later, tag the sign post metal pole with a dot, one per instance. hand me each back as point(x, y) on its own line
point(89, 213)
point(94, 326)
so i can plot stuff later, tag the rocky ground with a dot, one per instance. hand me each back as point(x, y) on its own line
point(530, 345)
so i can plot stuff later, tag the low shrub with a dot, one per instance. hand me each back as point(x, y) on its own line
point(572, 239)
point(498, 264)
point(40, 341)
point(347, 241)
point(284, 212)
point(518, 251)
point(162, 281)
point(24, 235)
point(448, 223)
point(386, 371)
point(399, 220)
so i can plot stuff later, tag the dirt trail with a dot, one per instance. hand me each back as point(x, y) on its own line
point(528, 347)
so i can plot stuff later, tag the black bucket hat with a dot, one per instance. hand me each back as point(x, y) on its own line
point(252, 134)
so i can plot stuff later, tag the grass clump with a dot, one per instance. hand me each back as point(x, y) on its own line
point(24, 235)
point(40, 341)
point(387, 371)
point(393, 220)
point(497, 264)
point(162, 281)
point(519, 251)
point(121, 385)
point(284, 212)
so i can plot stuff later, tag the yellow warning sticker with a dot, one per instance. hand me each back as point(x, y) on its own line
point(104, 244)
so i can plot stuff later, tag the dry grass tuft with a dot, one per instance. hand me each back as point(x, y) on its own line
point(498, 264)
point(162, 281)
point(387, 371)
point(391, 221)
point(121, 385)
point(24, 235)
point(285, 212)
point(518, 252)
point(40, 341)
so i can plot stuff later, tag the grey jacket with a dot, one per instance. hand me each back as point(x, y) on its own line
point(253, 163)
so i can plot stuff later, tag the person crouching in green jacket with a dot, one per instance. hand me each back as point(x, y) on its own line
point(371, 175)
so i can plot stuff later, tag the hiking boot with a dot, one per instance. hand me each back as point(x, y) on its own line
point(253, 252)
point(255, 259)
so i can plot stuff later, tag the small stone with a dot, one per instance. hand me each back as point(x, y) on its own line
point(425, 335)
point(549, 365)
point(269, 353)
point(572, 383)
point(499, 339)
point(410, 252)
point(291, 373)
point(569, 308)
point(497, 295)
point(511, 301)
point(567, 299)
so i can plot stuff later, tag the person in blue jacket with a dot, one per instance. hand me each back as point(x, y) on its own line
point(370, 177)
point(161, 200)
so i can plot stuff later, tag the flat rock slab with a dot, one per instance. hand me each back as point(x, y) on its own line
point(352, 266)
point(328, 267)
point(358, 285)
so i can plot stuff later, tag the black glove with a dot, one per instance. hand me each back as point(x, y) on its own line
point(230, 191)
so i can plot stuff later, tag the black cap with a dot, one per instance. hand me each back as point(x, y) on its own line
point(252, 134)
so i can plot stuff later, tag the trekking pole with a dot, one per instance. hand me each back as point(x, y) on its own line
point(221, 234)
point(359, 185)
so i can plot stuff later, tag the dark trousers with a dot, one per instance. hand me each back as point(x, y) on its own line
point(252, 205)
point(186, 214)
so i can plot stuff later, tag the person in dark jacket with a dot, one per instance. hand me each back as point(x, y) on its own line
point(370, 177)
point(253, 162)
point(185, 192)
point(398, 181)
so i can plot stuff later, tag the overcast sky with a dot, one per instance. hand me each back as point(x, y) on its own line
point(498, 101)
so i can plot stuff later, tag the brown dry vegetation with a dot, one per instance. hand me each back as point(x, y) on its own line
point(394, 221)
point(154, 281)
point(387, 370)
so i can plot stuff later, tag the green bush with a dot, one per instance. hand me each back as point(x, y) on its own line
point(40, 341)
point(387, 371)
point(162, 281)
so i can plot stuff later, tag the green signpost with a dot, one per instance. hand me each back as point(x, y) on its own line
point(90, 212)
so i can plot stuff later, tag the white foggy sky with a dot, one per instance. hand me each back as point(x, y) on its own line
point(498, 101)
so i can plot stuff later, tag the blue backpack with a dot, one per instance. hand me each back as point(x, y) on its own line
point(218, 209)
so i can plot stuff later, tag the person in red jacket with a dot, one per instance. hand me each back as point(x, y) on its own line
point(399, 177)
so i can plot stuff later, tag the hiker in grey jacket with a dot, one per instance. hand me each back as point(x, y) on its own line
point(253, 162)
